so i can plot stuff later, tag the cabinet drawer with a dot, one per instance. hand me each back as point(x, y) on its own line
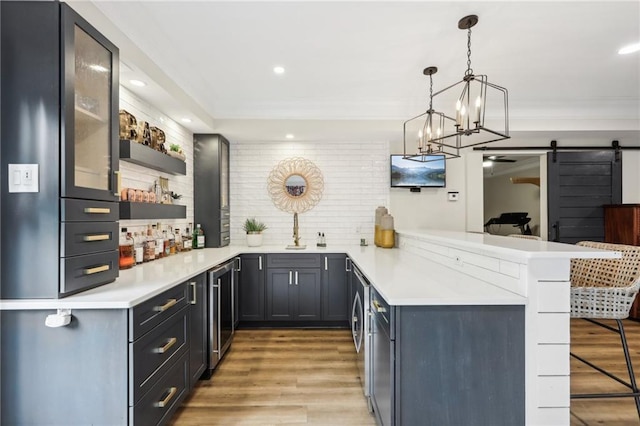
point(164, 397)
point(77, 238)
point(225, 238)
point(225, 225)
point(80, 273)
point(74, 210)
point(155, 349)
point(293, 261)
point(225, 214)
point(147, 315)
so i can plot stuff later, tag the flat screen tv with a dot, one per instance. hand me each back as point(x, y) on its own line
point(410, 174)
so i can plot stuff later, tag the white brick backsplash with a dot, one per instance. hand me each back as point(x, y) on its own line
point(356, 181)
point(140, 177)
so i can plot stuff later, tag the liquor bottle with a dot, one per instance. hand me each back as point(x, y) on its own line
point(172, 241)
point(178, 241)
point(149, 246)
point(165, 241)
point(159, 241)
point(198, 237)
point(187, 243)
point(126, 259)
point(138, 248)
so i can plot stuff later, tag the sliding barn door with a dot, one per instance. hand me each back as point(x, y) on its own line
point(579, 184)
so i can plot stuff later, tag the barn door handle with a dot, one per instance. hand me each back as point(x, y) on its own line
point(556, 226)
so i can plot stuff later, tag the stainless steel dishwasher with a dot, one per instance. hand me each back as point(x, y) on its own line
point(382, 359)
point(221, 306)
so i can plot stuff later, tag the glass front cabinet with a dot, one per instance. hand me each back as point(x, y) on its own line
point(59, 115)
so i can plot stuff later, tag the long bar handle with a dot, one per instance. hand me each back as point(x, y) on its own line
point(326, 263)
point(290, 277)
point(166, 347)
point(378, 306)
point(97, 210)
point(166, 306)
point(296, 277)
point(172, 392)
point(260, 262)
point(193, 288)
point(346, 264)
point(95, 270)
point(118, 183)
point(239, 263)
point(99, 237)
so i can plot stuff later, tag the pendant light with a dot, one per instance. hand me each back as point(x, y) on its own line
point(481, 109)
point(425, 130)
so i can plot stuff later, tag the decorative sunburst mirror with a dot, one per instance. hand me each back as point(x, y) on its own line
point(295, 186)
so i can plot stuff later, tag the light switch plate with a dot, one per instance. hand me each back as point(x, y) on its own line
point(23, 178)
point(453, 195)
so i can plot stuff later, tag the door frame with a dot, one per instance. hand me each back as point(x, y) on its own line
point(475, 188)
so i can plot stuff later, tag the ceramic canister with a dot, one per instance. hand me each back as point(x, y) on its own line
point(387, 233)
point(380, 211)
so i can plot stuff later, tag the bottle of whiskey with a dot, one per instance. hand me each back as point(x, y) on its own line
point(177, 236)
point(138, 247)
point(187, 242)
point(126, 259)
point(159, 241)
point(149, 246)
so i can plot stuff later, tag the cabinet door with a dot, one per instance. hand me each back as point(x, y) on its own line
point(335, 288)
point(236, 294)
point(198, 328)
point(90, 110)
point(251, 287)
point(306, 294)
point(279, 286)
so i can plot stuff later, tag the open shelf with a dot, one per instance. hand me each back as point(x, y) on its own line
point(143, 155)
point(151, 211)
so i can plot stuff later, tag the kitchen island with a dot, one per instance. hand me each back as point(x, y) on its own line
point(429, 269)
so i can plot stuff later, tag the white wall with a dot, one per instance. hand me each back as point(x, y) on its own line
point(502, 196)
point(356, 181)
point(139, 177)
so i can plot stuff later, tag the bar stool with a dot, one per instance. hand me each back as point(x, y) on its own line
point(606, 289)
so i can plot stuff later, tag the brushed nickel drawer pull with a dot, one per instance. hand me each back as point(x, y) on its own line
point(378, 306)
point(118, 183)
point(172, 391)
point(193, 288)
point(97, 210)
point(226, 238)
point(166, 306)
point(95, 270)
point(226, 225)
point(166, 347)
point(100, 237)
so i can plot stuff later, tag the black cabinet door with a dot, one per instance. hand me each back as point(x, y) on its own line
point(251, 287)
point(279, 286)
point(90, 64)
point(198, 328)
point(306, 294)
point(335, 288)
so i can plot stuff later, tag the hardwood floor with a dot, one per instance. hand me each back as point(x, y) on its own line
point(293, 377)
point(603, 348)
point(303, 377)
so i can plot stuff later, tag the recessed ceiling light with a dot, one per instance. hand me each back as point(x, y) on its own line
point(631, 48)
point(138, 83)
point(289, 136)
point(278, 70)
point(186, 120)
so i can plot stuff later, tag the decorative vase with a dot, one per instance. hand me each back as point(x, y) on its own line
point(254, 239)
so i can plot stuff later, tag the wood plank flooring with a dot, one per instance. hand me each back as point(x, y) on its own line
point(309, 377)
point(273, 377)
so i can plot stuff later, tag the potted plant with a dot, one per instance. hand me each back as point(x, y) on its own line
point(254, 229)
point(176, 151)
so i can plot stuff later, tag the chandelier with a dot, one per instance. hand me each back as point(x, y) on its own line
point(481, 113)
point(427, 128)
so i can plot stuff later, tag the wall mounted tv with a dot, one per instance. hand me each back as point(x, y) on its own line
point(411, 174)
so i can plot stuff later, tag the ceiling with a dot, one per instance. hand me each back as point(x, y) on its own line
point(354, 69)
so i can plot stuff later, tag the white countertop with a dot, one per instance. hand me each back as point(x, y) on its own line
point(401, 278)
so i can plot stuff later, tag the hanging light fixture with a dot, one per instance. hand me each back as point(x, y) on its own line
point(481, 109)
point(426, 129)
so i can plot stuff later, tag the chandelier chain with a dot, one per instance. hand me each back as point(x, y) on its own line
point(469, 71)
point(430, 92)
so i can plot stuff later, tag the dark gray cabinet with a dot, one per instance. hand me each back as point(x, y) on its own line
point(471, 356)
point(211, 187)
point(197, 328)
point(251, 288)
point(335, 287)
point(294, 294)
point(59, 91)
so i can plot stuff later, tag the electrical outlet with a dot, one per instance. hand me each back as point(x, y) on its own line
point(23, 178)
